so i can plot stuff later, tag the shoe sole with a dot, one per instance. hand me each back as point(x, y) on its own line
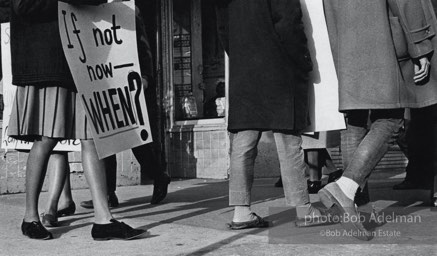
point(119, 238)
point(334, 206)
point(40, 238)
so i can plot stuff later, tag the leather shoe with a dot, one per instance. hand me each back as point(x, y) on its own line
point(333, 198)
point(160, 189)
point(257, 222)
point(35, 230)
point(70, 210)
point(115, 230)
point(49, 220)
point(112, 202)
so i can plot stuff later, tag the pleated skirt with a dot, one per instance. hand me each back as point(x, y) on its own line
point(51, 111)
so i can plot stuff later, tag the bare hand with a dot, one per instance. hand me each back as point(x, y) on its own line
point(421, 70)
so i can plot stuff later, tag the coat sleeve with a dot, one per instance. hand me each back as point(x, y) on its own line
point(288, 25)
point(415, 24)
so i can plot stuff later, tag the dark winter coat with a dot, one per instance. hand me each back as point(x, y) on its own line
point(374, 44)
point(269, 63)
point(5, 11)
point(35, 22)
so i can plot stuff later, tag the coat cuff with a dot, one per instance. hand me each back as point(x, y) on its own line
point(420, 41)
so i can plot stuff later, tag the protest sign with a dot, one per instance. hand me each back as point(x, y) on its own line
point(101, 50)
point(8, 99)
point(324, 102)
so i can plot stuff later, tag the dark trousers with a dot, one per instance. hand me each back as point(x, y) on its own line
point(422, 145)
point(149, 156)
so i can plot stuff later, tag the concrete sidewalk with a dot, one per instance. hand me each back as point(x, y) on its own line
point(191, 221)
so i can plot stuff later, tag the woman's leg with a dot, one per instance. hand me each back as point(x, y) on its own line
point(105, 227)
point(95, 173)
point(36, 168)
point(66, 198)
point(58, 166)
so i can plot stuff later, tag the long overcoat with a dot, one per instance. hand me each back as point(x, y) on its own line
point(374, 44)
point(269, 63)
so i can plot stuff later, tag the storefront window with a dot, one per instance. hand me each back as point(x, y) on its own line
point(198, 62)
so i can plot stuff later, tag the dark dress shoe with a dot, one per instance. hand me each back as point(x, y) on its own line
point(258, 222)
point(314, 186)
point(112, 202)
point(160, 189)
point(278, 183)
point(70, 210)
point(334, 176)
point(49, 220)
point(115, 230)
point(35, 230)
point(339, 204)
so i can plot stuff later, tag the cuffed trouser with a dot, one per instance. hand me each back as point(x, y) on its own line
point(292, 165)
point(363, 147)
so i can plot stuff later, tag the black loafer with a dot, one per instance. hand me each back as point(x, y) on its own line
point(258, 222)
point(160, 189)
point(70, 210)
point(115, 230)
point(49, 220)
point(35, 230)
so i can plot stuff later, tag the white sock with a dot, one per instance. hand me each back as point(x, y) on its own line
point(242, 213)
point(348, 186)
